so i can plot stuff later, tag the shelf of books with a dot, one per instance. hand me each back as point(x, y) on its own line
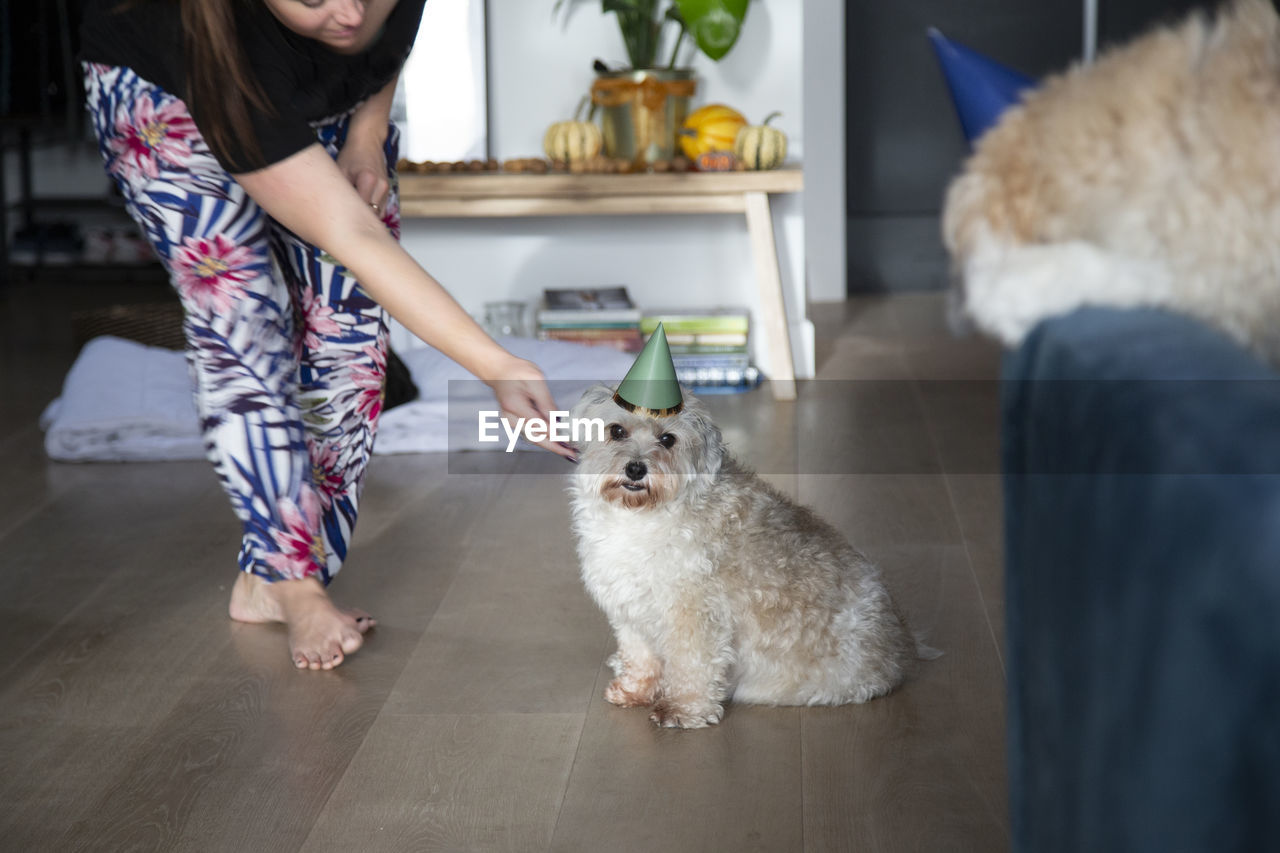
point(603, 316)
point(708, 345)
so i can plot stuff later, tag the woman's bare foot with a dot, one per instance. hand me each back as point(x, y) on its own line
point(321, 635)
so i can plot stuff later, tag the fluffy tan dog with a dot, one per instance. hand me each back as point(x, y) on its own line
point(716, 585)
point(1151, 177)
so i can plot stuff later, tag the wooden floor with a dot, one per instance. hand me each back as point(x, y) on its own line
point(135, 715)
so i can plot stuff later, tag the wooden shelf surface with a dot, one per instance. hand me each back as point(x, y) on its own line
point(464, 185)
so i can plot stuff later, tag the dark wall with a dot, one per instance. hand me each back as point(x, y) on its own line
point(903, 141)
point(40, 83)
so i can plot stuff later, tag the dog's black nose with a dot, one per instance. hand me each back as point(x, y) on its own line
point(636, 470)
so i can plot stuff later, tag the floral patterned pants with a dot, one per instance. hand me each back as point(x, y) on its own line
point(287, 353)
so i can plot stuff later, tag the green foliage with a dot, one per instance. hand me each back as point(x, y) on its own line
point(714, 25)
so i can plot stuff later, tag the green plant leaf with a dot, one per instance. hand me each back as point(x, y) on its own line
point(639, 7)
point(714, 24)
point(640, 24)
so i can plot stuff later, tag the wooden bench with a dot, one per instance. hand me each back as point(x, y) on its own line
point(466, 195)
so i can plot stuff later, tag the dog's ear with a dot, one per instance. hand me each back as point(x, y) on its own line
point(592, 399)
point(696, 416)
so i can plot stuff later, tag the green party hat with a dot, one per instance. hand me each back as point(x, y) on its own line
point(650, 386)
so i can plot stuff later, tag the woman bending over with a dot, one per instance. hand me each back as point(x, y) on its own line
point(252, 143)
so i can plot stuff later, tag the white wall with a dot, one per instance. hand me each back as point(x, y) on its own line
point(540, 67)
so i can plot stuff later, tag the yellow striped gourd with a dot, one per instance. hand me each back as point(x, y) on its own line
point(759, 146)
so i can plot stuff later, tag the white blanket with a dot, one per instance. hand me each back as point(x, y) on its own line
point(125, 402)
point(446, 414)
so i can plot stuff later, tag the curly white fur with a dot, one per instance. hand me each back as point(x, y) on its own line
point(1151, 177)
point(716, 585)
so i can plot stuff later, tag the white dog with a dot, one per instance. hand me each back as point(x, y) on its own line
point(716, 585)
point(1150, 178)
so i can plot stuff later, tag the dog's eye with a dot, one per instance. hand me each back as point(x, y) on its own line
point(666, 439)
point(616, 432)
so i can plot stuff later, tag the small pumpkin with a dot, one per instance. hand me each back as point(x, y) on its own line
point(759, 146)
point(573, 141)
point(710, 128)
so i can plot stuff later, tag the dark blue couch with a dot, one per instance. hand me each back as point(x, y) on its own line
point(1141, 455)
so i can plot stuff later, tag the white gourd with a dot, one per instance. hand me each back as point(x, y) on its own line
point(760, 146)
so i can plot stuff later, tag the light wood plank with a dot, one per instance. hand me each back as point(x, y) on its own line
point(516, 632)
point(861, 357)
point(416, 525)
point(114, 663)
point(937, 355)
point(464, 185)
point(923, 768)
point(773, 308)
point(108, 527)
point(291, 732)
point(441, 782)
point(51, 782)
point(100, 664)
point(735, 786)
point(854, 428)
point(979, 504)
point(468, 207)
point(311, 724)
point(878, 510)
point(963, 416)
point(271, 746)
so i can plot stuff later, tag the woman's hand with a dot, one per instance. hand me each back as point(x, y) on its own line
point(522, 392)
point(364, 163)
point(363, 158)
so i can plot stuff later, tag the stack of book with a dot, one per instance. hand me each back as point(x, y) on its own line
point(708, 346)
point(603, 316)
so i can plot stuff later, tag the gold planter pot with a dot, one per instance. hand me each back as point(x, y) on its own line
point(642, 111)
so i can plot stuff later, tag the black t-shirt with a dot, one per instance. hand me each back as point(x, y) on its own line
point(303, 80)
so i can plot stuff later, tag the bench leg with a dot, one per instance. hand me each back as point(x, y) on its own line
point(777, 336)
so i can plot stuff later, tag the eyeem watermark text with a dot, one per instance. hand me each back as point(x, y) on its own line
point(559, 428)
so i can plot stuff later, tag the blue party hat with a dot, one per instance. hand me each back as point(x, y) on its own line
point(981, 88)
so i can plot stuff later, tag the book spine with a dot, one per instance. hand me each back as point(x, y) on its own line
point(625, 342)
point(706, 349)
point(696, 324)
point(737, 360)
point(559, 323)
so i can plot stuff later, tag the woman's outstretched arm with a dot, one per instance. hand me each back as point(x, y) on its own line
point(310, 195)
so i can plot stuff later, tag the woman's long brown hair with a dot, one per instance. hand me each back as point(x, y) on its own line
point(220, 86)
